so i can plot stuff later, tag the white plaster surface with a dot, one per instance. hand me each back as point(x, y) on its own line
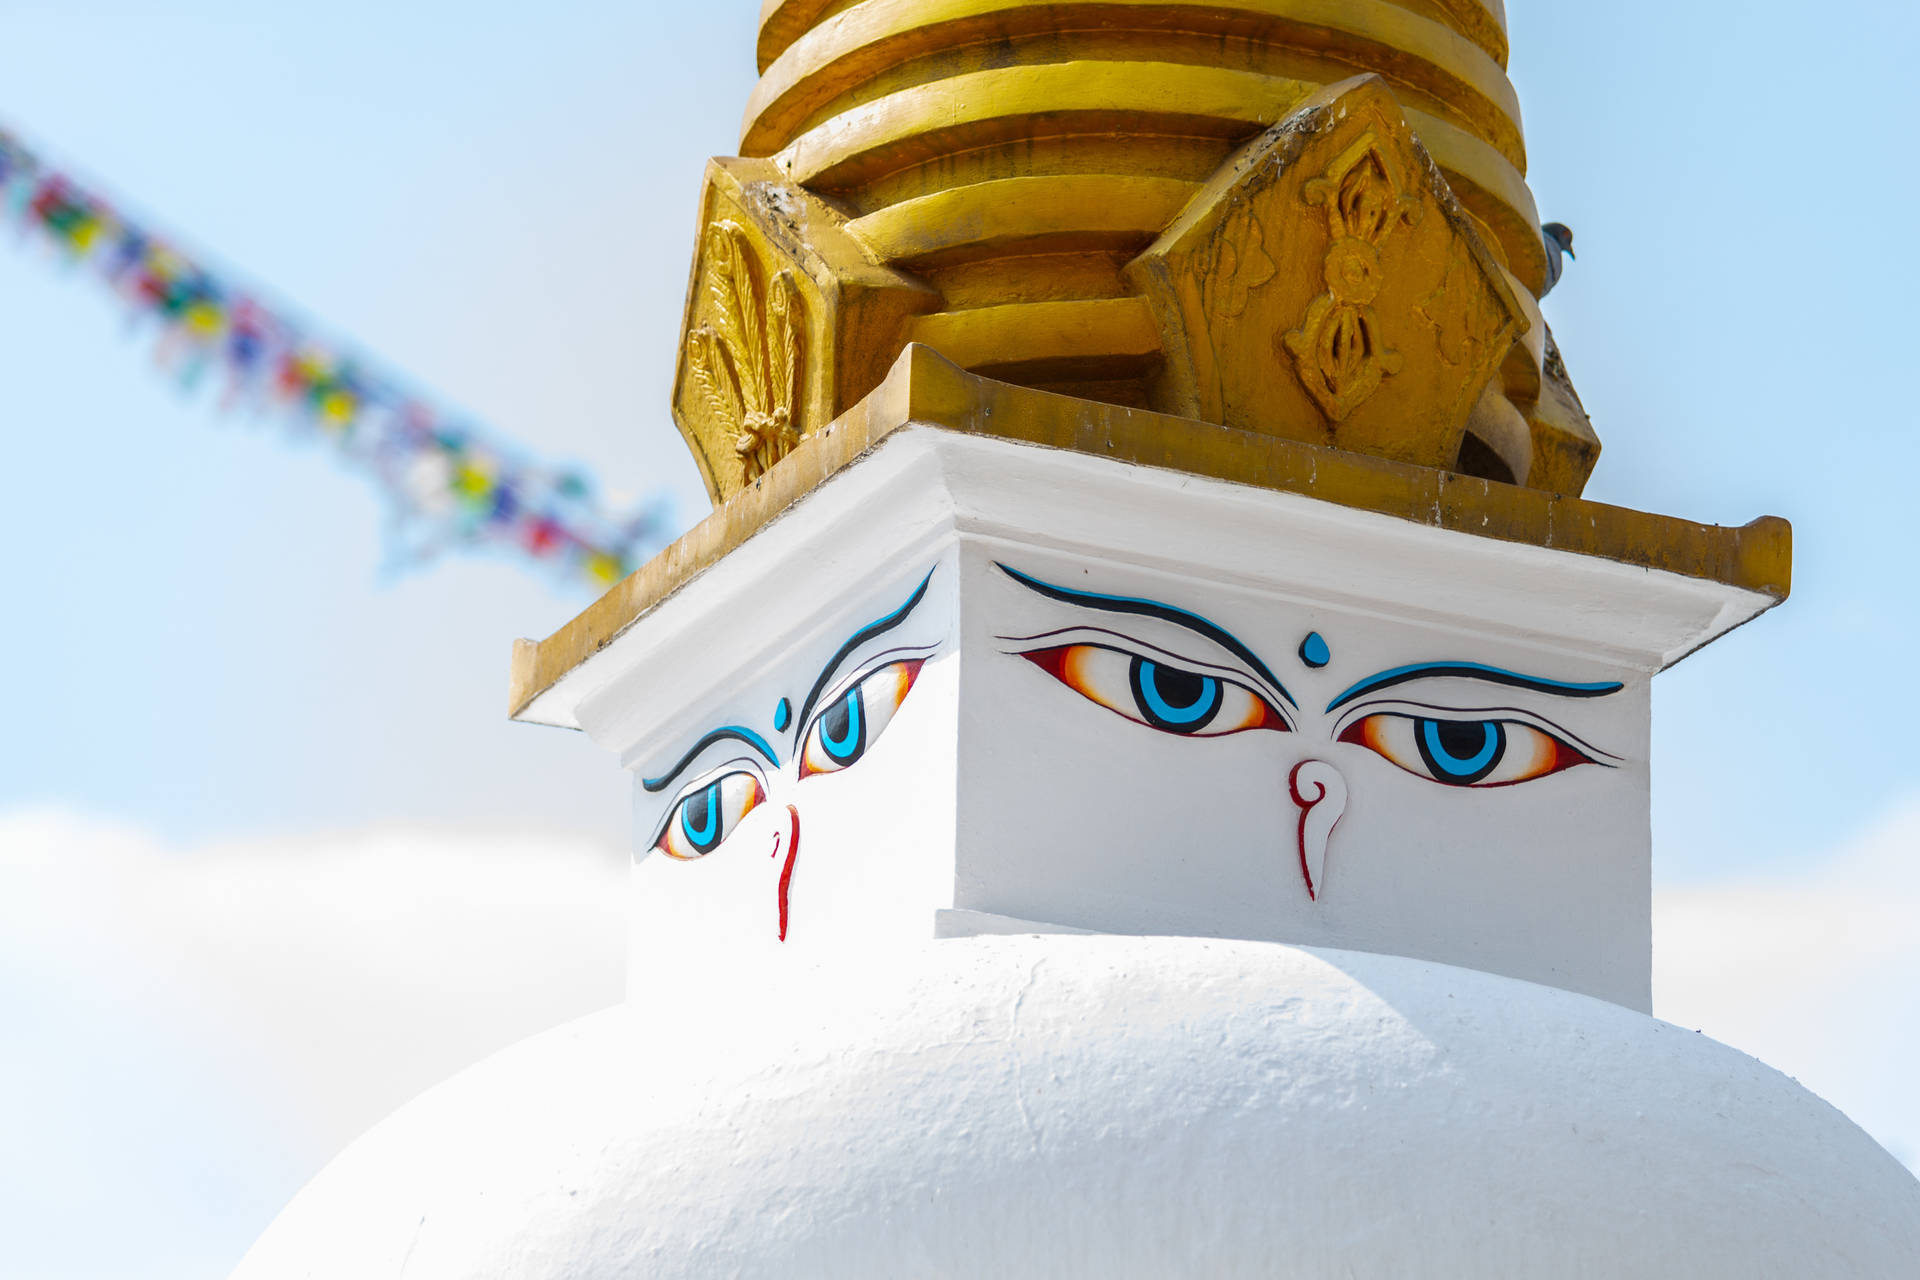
point(998, 790)
point(1071, 814)
point(1101, 1106)
point(920, 487)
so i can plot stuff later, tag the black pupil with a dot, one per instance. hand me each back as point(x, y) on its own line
point(1178, 688)
point(836, 730)
point(1462, 739)
point(701, 821)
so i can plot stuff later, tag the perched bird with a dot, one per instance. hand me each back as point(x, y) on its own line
point(1559, 238)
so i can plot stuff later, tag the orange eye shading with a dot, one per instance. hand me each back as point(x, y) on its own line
point(1171, 699)
point(702, 820)
point(854, 721)
point(1465, 753)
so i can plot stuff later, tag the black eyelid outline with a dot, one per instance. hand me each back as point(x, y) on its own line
point(878, 627)
point(726, 768)
point(1474, 671)
point(1153, 609)
point(731, 733)
point(1234, 675)
point(1510, 715)
point(873, 665)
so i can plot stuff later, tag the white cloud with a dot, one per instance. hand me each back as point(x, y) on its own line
point(196, 1032)
point(356, 969)
point(1815, 971)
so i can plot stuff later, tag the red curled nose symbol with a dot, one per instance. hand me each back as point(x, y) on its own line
point(1321, 792)
point(786, 872)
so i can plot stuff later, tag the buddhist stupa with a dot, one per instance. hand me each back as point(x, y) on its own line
point(1144, 771)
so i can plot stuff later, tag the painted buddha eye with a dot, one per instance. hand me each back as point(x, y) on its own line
point(1465, 753)
point(1191, 704)
point(702, 820)
point(854, 721)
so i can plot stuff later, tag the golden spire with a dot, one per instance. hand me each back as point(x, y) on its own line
point(1303, 218)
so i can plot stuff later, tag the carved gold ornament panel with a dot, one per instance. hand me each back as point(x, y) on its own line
point(746, 359)
point(1325, 286)
point(788, 323)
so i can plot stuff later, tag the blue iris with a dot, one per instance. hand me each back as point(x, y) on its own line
point(1172, 699)
point(706, 804)
point(1461, 751)
point(843, 729)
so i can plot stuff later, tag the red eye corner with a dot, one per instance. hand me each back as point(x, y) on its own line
point(1051, 661)
point(1164, 696)
point(840, 735)
point(1465, 752)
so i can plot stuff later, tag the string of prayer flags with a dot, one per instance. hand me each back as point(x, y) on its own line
point(447, 483)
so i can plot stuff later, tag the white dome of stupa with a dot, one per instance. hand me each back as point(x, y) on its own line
point(1109, 1106)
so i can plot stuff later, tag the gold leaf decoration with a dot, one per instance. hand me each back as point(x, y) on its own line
point(747, 359)
point(1236, 262)
point(1338, 350)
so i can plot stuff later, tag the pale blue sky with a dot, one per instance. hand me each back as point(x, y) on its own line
point(498, 200)
point(501, 205)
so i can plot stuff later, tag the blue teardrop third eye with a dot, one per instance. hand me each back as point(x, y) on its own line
point(1314, 651)
point(1182, 701)
point(1461, 751)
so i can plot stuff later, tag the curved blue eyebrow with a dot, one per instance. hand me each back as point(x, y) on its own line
point(1474, 671)
point(733, 731)
point(1154, 609)
point(877, 627)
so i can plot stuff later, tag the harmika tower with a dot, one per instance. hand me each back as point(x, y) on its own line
point(1144, 771)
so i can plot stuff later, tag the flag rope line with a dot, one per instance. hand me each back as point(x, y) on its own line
point(446, 482)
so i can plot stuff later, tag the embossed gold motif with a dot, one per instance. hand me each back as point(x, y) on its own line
point(1338, 349)
point(1236, 262)
point(747, 361)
